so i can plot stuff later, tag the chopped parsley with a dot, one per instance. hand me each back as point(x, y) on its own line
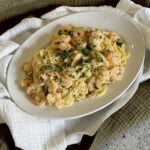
point(58, 68)
point(47, 67)
point(86, 51)
point(52, 68)
point(64, 54)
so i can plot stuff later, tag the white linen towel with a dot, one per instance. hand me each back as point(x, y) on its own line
point(34, 133)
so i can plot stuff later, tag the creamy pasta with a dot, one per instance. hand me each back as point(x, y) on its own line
point(79, 62)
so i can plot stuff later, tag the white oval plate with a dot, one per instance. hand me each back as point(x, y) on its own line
point(96, 19)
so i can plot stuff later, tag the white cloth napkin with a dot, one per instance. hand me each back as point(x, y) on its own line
point(34, 133)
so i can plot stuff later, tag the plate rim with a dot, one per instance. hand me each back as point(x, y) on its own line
point(95, 110)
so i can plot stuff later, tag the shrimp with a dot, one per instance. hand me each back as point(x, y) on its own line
point(65, 92)
point(61, 38)
point(93, 84)
point(78, 33)
point(42, 53)
point(43, 77)
point(114, 57)
point(39, 102)
point(52, 99)
point(103, 74)
point(38, 99)
point(65, 29)
point(116, 73)
point(113, 36)
point(58, 96)
point(66, 81)
point(27, 66)
point(66, 101)
point(25, 83)
point(78, 43)
point(52, 86)
point(64, 45)
point(60, 45)
point(65, 38)
point(95, 39)
point(95, 34)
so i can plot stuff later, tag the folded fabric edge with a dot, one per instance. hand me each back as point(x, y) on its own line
point(67, 10)
point(133, 90)
point(76, 137)
point(7, 47)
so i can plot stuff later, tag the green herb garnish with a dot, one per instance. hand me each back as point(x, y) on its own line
point(86, 51)
point(58, 68)
point(52, 68)
point(47, 68)
point(64, 54)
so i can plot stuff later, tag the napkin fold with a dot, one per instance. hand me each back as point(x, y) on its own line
point(34, 133)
